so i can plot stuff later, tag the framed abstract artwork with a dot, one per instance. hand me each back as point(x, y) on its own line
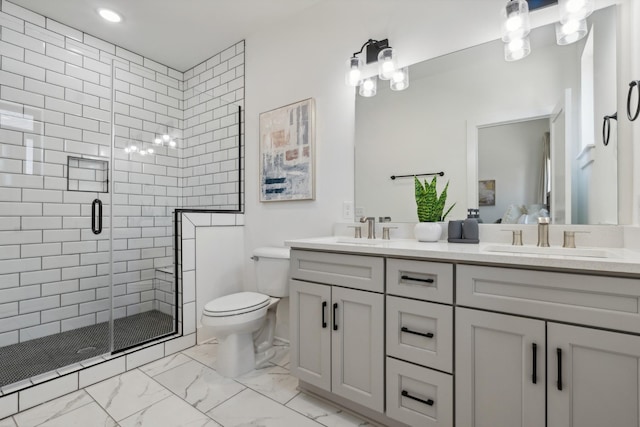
point(487, 192)
point(287, 139)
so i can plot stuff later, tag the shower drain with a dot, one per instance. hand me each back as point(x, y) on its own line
point(85, 350)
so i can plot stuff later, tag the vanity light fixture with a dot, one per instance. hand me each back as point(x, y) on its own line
point(377, 51)
point(571, 31)
point(573, 25)
point(574, 10)
point(516, 27)
point(109, 15)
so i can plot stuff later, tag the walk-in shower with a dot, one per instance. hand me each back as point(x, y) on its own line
point(98, 148)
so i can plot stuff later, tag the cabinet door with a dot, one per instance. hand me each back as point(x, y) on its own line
point(358, 347)
point(495, 367)
point(600, 377)
point(310, 324)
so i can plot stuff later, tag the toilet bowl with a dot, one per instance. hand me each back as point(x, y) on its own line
point(244, 322)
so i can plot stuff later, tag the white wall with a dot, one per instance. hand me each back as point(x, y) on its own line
point(603, 201)
point(512, 155)
point(219, 265)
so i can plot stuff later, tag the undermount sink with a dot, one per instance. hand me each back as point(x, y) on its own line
point(360, 241)
point(536, 250)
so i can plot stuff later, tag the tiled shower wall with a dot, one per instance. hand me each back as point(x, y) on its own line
point(213, 92)
point(55, 101)
point(148, 104)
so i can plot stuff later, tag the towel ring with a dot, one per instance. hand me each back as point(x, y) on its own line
point(606, 128)
point(632, 117)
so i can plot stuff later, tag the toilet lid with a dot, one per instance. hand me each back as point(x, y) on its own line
point(239, 303)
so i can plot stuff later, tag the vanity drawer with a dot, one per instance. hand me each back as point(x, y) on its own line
point(605, 302)
point(433, 389)
point(350, 271)
point(427, 338)
point(426, 280)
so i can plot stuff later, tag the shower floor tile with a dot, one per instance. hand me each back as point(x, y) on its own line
point(35, 357)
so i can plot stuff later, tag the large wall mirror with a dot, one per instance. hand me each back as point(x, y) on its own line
point(511, 137)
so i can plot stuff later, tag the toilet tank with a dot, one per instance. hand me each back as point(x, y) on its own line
point(272, 271)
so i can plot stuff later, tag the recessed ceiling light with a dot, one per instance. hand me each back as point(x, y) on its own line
point(109, 15)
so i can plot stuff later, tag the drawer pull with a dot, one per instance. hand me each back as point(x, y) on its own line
point(416, 279)
point(335, 317)
point(324, 313)
point(534, 350)
point(422, 334)
point(559, 354)
point(429, 402)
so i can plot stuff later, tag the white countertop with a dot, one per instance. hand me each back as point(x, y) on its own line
point(621, 261)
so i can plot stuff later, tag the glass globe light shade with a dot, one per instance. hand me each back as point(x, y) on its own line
point(369, 87)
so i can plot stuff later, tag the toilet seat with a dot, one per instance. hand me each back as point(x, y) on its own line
point(236, 304)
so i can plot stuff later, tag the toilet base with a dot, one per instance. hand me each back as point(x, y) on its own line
point(249, 346)
point(236, 355)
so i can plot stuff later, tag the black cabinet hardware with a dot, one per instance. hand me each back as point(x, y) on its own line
point(633, 115)
point(415, 279)
point(429, 402)
point(324, 313)
point(534, 351)
point(422, 334)
point(96, 205)
point(335, 316)
point(559, 354)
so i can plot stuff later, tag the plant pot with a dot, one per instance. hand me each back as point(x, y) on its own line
point(427, 231)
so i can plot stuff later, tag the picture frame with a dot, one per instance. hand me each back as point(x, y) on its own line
point(287, 152)
point(487, 192)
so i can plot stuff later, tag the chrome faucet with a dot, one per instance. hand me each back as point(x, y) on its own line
point(371, 223)
point(543, 231)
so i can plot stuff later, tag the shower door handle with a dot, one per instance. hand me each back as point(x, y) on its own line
point(96, 217)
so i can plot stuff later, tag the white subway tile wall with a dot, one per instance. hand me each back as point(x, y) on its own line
point(55, 101)
point(213, 91)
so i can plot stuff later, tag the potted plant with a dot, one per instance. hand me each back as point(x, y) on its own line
point(430, 210)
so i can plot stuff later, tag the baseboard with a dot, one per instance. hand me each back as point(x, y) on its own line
point(203, 335)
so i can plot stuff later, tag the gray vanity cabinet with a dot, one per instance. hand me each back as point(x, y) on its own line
point(600, 377)
point(337, 338)
point(495, 366)
point(592, 376)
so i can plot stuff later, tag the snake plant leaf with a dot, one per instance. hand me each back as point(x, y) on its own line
point(429, 205)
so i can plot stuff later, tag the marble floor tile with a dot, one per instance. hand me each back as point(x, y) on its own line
point(323, 412)
point(159, 366)
point(50, 411)
point(273, 382)
point(127, 394)
point(170, 412)
point(88, 415)
point(7, 422)
point(205, 353)
point(199, 385)
point(282, 355)
point(249, 408)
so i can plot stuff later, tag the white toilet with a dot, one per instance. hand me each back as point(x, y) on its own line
point(244, 322)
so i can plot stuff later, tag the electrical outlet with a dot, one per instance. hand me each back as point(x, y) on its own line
point(347, 210)
point(359, 211)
